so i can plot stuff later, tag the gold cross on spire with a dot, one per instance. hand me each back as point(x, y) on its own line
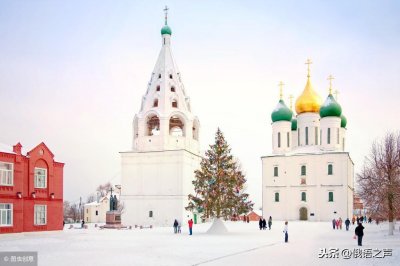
point(308, 63)
point(330, 78)
point(166, 14)
point(336, 94)
point(281, 84)
point(291, 101)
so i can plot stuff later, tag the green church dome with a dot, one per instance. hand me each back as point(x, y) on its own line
point(343, 122)
point(281, 112)
point(166, 30)
point(294, 124)
point(330, 108)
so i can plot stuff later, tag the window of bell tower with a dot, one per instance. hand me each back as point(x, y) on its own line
point(155, 104)
point(176, 126)
point(175, 103)
point(153, 126)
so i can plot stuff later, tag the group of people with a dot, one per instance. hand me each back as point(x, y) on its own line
point(262, 223)
point(177, 226)
point(337, 223)
point(362, 219)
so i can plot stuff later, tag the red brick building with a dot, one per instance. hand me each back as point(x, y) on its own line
point(31, 190)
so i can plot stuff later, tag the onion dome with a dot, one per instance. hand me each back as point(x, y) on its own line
point(166, 30)
point(281, 112)
point(330, 107)
point(343, 121)
point(294, 124)
point(309, 100)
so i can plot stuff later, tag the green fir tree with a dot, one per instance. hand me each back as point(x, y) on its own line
point(219, 184)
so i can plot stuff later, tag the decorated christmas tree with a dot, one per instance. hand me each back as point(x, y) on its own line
point(219, 184)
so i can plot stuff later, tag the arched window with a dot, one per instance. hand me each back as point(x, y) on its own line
point(287, 139)
point(298, 137)
point(330, 169)
point(303, 170)
point(176, 126)
point(155, 103)
point(275, 170)
point(151, 214)
point(316, 136)
point(159, 76)
point(170, 76)
point(153, 126)
point(276, 196)
point(279, 139)
point(158, 87)
point(337, 136)
point(174, 103)
point(172, 89)
point(303, 196)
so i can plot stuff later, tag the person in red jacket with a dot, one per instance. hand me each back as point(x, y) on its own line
point(190, 222)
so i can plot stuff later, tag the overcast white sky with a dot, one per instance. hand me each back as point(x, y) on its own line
point(72, 73)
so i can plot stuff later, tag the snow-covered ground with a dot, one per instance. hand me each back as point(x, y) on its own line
point(245, 244)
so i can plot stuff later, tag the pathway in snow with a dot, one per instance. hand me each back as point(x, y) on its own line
point(245, 244)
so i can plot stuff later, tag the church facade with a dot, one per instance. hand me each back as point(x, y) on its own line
point(158, 171)
point(309, 175)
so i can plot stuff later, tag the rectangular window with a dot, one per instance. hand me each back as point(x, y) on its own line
point(298, 137)
point(303, 196)
point(276, 171)
point(329, 136)
point(316, 135)
point(6, 174)
point(337, 136)
point(97, 212)
point(330, 169)
point(306, 135)
point(40, 215)
point(303, 170)
point(150, 214)
point(276, 196)
point(287, 139)
point(6, 212)
point(330, 196)
point(40, 178)
point(279, 139)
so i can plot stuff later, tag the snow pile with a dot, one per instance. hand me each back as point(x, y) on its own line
point(217, 227)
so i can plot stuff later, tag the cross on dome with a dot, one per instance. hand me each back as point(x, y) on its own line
point(166, 14)
point(308, 63)
point(330, 78)
point(281, 84)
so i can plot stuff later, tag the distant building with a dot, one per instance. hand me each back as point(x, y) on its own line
point(95, 212)
point(31, 190)
point(358, 206)
point(309, 175)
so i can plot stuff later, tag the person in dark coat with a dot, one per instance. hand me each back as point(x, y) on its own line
point(334, 223)
point(175, 226)
point(264, 224)
point(260, 223)
point(286, 232)
point(347, 223)
point(270, 222)
point(359, 233)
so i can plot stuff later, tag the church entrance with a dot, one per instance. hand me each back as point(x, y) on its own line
point(303, 214)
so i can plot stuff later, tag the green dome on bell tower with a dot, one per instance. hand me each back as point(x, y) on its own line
point(166, 29)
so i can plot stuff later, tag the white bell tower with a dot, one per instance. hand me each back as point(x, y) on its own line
point(158, 171)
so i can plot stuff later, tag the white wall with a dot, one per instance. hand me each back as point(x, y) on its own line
point(159, 182)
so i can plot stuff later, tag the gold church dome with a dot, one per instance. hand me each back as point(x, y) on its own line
point(309, 100)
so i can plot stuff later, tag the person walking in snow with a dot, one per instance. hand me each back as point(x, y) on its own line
point(340, 223)
point(334, 223)
point(353, 220)
point(347, 223)
point(264, 224)
point(359, 231)
point(190, 223)
point(260, 223)
point(285, 230)
point(176, 226)
point(179, 227)
point(270, 222)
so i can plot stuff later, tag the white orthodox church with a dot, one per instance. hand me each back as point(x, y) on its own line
point(157, 173)
point(309, 175)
